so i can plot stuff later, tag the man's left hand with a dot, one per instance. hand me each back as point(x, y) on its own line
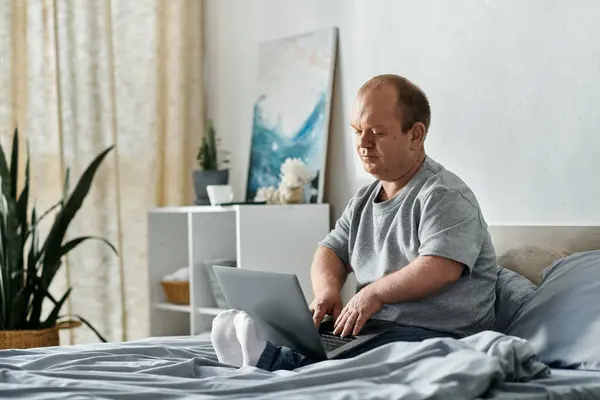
point(362, 306)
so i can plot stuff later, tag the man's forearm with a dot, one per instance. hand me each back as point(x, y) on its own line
point(327, 271)
point(423, 277)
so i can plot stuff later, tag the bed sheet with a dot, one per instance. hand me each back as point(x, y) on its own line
point(486, 365)
point(562, 384)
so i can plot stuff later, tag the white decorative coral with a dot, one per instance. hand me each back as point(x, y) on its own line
point(268, 194)
point(294, 173)
point(294, 176)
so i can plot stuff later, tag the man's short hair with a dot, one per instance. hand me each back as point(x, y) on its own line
point(412, 101)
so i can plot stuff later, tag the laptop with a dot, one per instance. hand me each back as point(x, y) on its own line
point(276, 301)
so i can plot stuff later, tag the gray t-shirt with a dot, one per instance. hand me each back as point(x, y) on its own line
point(435, 214)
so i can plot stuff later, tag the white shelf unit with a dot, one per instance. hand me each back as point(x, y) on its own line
point(280, 238)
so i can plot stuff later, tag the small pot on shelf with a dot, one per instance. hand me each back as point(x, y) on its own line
point(211, 162)
point(202, 179)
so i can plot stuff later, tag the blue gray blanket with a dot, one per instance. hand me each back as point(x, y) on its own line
point(186, 367)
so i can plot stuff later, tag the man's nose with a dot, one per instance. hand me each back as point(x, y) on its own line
point(364, 140)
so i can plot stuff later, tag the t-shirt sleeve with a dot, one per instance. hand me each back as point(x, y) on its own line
point(451, 227)
point(338, 239)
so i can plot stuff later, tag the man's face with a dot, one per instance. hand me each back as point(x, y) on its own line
point(386, 152)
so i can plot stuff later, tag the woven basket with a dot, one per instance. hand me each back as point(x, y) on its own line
point(176, 292)
point(26, 339)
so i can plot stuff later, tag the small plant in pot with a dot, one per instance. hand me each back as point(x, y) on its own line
point(29, 262)
point(210, 158)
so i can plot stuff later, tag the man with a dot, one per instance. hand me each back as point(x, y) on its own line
point(415, 239)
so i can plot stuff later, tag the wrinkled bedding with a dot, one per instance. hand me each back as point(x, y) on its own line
point(483, 365)
point(562, 384)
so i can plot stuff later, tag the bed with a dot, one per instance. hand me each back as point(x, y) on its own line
point(490, 364)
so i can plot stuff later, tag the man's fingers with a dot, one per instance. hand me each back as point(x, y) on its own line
point(358, 325)
point(337, 310)
point(336, 321)
point(341, 318)
point(341, 321)
point(349, 325)
point(318, 315)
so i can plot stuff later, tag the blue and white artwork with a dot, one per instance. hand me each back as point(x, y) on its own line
point(292, 108)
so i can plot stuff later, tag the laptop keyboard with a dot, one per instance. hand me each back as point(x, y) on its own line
point(332, 342)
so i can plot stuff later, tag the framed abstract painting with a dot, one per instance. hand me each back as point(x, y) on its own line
point(292, 109)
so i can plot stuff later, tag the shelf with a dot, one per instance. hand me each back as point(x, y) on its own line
point(172, 307)
point(180, 236)
point(208, 209)
point(210, 310)
point(186, 308)
point(192, 209)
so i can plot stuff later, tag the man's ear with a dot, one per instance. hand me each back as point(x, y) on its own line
point(417, 133)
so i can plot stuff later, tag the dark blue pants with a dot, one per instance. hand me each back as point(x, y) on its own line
point(275, 358)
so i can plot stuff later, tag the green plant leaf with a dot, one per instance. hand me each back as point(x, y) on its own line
point(66, 184)
point(22, 302)
point(25, 306)
point(53, 316)
point(11, 239)
point(17, 274)
point(22, 205)
point(35, 281)
point(23, 201)
point(212, 140)
point(4, 274)
point(208, 153)
point(33, 255)
point(86, 322)
point(70, 245)
point(38, 293)
point(22, 290)
point(14, 164)
point(5, 174)
point(52, 250)
point(44, 215)
point(19, 305)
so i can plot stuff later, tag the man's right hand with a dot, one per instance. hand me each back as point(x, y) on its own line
point(329, 303)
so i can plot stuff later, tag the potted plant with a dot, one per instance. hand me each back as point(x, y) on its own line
point(210, 158)
point(29, 262)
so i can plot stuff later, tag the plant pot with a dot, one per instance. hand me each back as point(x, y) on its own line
point(26, 339)
point(203, 178)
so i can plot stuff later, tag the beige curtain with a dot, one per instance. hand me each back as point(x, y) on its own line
point(77, 76)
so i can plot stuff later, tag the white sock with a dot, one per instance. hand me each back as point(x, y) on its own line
point(224, 339)
point(250, 338)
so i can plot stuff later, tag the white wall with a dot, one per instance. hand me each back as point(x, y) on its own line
point(514, 88)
